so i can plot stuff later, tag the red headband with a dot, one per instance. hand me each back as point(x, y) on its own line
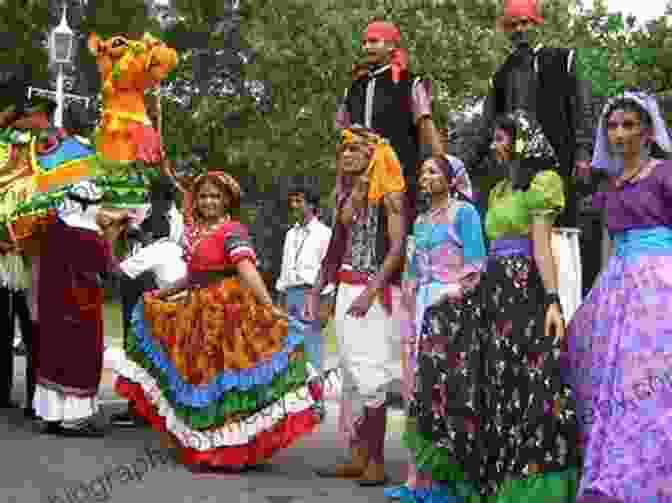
point(389, 32)
point(520, 8)
point(383, 30)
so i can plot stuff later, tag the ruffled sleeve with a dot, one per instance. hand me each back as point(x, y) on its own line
point(496, 193)
point(546, 197)
point(237, 244)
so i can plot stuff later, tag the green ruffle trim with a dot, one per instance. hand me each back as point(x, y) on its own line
point(556, 487)
point(430, 458)
point(233, 401)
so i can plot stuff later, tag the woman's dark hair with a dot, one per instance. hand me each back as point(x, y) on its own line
point(234, 196)
point(630, 105)
point(526, 169)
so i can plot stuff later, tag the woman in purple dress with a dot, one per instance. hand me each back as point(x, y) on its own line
point(620, 340)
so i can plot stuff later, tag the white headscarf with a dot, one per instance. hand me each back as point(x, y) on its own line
point(603, 160)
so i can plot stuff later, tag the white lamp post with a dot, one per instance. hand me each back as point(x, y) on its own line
point(61, 52)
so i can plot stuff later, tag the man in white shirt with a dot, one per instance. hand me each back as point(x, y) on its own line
point(305, 246)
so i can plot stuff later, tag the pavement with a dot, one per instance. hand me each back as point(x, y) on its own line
point(129, 465)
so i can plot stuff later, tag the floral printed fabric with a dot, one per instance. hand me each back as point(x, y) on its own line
point(619, 362)
point(531, 142)
point(446, 402)
point(491, 396)
point(221, 327)
point(529, 424)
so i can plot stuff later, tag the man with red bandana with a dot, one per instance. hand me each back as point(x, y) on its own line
point(387, 99)
point(389, 102)
point(542, 83)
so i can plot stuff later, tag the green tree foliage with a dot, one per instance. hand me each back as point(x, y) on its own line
point(305, 49)
point(21, 28)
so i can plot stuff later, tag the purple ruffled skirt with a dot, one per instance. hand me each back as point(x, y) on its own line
point(619, 361)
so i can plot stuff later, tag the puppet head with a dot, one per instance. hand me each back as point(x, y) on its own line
point(123, 61)
point(129, 67)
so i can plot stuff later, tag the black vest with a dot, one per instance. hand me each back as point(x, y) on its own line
point(392, 117)
point(550, 102)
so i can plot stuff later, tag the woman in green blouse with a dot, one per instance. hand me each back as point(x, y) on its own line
point(528, 431)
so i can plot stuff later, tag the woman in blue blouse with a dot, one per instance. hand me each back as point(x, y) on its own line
point(445, 258)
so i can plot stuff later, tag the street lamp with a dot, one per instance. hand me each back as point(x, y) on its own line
point(61, 52)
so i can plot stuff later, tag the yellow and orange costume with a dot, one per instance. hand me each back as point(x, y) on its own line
point(128, 68)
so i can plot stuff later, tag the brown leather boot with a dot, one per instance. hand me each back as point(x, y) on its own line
point(351, 470)
point(374, 474)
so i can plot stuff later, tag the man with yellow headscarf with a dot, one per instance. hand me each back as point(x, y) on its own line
point(365, 258)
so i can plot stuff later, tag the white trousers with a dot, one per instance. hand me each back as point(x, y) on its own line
point(565, 248)
point(369, 351)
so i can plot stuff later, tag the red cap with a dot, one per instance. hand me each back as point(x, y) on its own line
point(520, 8)
point(389, 32)
point(383, 30)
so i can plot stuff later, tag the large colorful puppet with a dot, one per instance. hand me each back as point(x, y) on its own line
point(542, 84)
point(128, 68)
point(39, 163)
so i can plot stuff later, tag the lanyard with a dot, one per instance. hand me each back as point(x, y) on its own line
point(300, 248)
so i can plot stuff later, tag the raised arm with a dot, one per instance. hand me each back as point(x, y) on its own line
point(428, 133)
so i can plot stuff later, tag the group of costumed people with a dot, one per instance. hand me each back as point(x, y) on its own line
point(219, 369)
point(517, 387)
point(64, 202)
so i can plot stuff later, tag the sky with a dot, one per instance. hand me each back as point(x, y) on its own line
point(644, 10)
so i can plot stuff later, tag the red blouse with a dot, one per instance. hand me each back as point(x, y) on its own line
point(226, 245)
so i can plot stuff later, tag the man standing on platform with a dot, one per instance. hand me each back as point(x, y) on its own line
point(387, 99)
point(542, 83)
point(396, 104)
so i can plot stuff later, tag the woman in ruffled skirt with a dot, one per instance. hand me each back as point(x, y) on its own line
point(446, 255)
point(221, 370)
point(497, 422)
point(619, 357)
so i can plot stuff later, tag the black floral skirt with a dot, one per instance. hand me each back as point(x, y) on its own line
point(446, 403)
point(488, 387)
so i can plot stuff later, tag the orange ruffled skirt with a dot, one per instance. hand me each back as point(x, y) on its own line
point(185, 357)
